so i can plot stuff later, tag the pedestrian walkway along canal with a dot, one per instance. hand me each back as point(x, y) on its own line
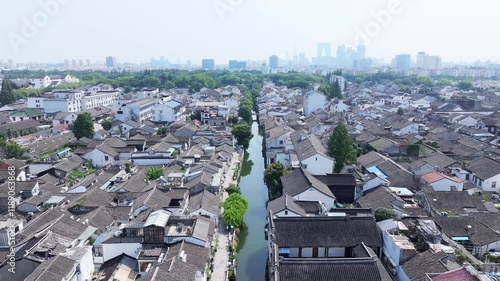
point(251, 259)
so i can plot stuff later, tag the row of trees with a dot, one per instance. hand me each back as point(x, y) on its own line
point(11, 149)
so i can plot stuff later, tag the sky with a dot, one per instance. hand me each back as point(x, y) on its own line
point(51, 31)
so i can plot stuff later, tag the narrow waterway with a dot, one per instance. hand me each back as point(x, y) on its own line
point(252, 245)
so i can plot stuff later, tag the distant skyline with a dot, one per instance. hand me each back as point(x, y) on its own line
point(50, 31)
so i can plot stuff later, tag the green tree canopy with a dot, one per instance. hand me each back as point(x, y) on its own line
point(106, 124)
point(154, 173)
point(83, 126)
point(465, 85)
point(272, 178)
point(342, 147)
point(235, 208)
point(11, 149)
point(384, 214)
point(243, 134)
point(6, 94)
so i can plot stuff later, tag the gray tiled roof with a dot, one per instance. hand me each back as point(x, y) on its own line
point(299, 180)
point(326, 232)
point(285, 202)
point(307, 145)
point(204, 200)
point(425, 262)
point(484, 167)
point(325, 270)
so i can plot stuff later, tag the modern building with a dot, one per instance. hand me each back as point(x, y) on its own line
point(110, 62)
point(426, 61)
point(323, 54)
point(138, 111)
point(234, 64)
point(208, 64)
point(273, 62)
point(402, 61)
point(169, 111)
point(72, 100)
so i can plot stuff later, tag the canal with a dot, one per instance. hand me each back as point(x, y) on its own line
point(251, 259)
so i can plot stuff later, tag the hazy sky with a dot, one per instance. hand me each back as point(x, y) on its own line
point(135, 31)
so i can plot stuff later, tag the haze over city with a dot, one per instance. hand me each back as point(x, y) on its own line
point(244, 29)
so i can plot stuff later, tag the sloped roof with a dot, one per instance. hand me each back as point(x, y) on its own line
point(317, 232)
point(285, 202)
point(484, 167)
point(299, 180)
point(307, 145)
point(425, 262)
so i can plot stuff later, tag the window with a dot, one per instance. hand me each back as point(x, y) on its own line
point(106, 158)
point(286, 212)
point(281, 142)
point(494, 184)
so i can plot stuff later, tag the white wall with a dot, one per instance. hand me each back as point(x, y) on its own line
point(313, 102)
point(372, 184)
point(87, 265)
point(336, 252)
point(98, 158)
point(446, 184)
point(312, 194)
point(318, 165)
point(110, 251)
point(288, 213)
point(487, 185)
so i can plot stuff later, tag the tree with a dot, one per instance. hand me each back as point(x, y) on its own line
point(83, 126)
point(13, 150)
point(335, 90)
point(401, 111)
point(195, 115)
point(6, 94)
point(162, 131)
point(272, 178)
point(243, 134)
point(235, 208)
point(384, 214)
point(465, 85)
point(154, 173)
point(342, 147)
point(443, 82)
point(233, 189)
point(106, 124)
point(233, 119)
point(245, 112)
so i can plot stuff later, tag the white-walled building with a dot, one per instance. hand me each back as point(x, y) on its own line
point(313, 100)
point(169, 111)
point(72, 101)
point(138, 111)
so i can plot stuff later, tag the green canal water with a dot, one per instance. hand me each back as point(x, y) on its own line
point(251, 260)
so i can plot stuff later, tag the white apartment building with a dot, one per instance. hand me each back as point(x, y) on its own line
point(169, 111)
point(72, 101)
point(138, 111)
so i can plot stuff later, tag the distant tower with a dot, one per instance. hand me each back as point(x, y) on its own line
point(324, 50)
point(273, 62)
point(110, 62)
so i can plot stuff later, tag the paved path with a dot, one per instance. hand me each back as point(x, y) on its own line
point(221, 258)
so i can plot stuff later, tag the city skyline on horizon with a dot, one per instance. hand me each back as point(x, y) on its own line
point(243, 30)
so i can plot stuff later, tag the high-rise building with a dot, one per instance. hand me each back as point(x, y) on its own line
point(1, 63)
point(66, 63)
point(110, 62)
point(324, 50)
point(208, 64)
point(273, 62)
point(402, 61)
point(426, 61)
point(88, 62)
point(11, 64)
point(234, 64)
